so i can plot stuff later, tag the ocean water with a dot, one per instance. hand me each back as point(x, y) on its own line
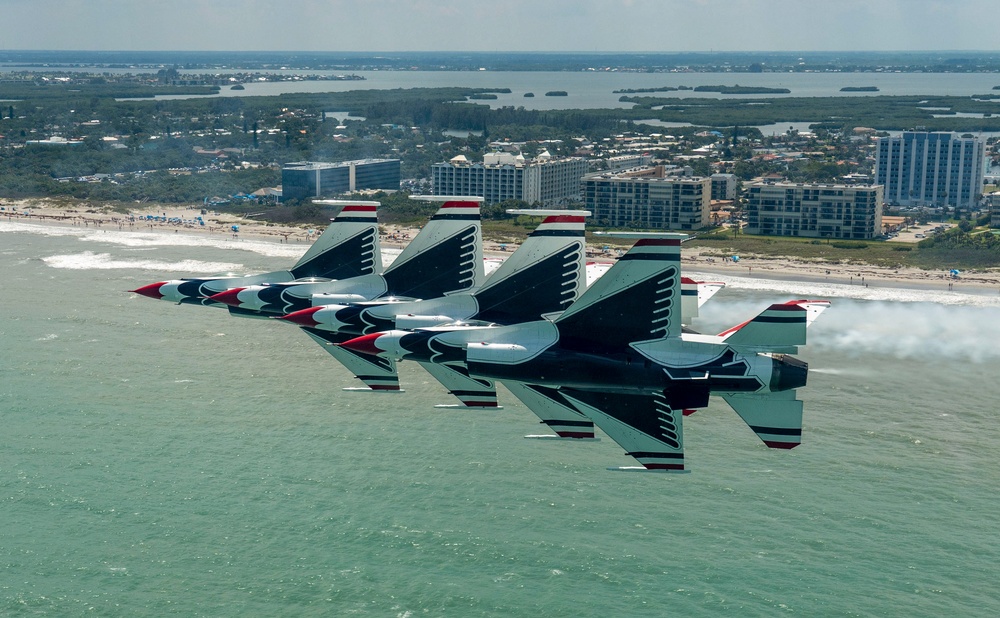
point(171, 460)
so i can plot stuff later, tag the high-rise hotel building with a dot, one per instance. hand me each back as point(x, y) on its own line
point(505, 176)
point(930, 169)
point(814, 210)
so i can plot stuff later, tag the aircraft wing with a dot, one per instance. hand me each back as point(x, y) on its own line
point(378, 373)
point(472, 392)
point(554, 409)
point(644, 425)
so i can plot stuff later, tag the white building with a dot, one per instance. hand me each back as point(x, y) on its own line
point(723, 186)
point(648, 199)
point(815, 211)
point(930, 169)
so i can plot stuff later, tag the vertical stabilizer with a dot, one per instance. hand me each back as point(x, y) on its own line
point(639, 299)
point(545, 275)
point(349, 246)
point(445, 257)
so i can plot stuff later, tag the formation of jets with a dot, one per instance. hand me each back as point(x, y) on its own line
point(616, 352)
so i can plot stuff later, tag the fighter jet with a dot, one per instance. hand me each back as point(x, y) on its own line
point(435, 349)
point(348, 247)
point(543, 277)
point(444, 258)
point(619, 356)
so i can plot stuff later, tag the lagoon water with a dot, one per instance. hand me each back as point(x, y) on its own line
point(171, 460)
point(595, 89)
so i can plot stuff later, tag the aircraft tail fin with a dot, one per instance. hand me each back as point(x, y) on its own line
point(545, 275)
point(776, 418)
point(779, 328)
point(638, 299)
point(445, 257)
point(349, 246)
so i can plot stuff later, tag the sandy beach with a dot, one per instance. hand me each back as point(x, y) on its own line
point(179, 219)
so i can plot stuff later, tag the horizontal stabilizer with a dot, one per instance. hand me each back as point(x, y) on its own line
point(694, 294)
point(779, 328)
point(776, 418)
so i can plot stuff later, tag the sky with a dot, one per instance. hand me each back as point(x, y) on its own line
point(500, 25)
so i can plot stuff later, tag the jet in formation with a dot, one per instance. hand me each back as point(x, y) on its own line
point(618, 354)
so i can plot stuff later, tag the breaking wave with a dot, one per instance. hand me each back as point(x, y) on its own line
point(89, 260)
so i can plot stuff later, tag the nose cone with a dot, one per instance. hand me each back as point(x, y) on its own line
point(304, 317)
point(151, 291)
point(364, 344)
point(229, 297)
point(788, 373)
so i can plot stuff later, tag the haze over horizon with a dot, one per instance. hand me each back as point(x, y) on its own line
point(512, 25)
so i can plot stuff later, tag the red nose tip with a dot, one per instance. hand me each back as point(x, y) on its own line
point(303, 317)
point(365, 344)
point(228, 297)
point(151, 291)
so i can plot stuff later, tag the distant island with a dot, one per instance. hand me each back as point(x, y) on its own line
point(529, 94)
point(483, 96)
point(237, 87)
point(640, 90)
point(737, 89)
point(859, 89)
point(556, 93)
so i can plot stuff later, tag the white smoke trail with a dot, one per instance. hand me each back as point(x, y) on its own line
point(900, 330)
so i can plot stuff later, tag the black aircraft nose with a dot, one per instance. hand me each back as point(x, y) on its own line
point(788, 372)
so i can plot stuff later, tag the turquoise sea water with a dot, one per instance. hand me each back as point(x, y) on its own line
point(171, 460)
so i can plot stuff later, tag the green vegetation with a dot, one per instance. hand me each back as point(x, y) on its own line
point(737, 89)
point(859, 89)
point(881, 112)
point(640, 90)
point(556, 93)
point(952, 249)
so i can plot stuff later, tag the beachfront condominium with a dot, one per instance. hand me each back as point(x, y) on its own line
point(309, 179)
point(814, 211)
point(930, 169)
point(724, 187)
point(504, 176)
point(648, 198)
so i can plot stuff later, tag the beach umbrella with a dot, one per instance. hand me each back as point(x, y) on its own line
point(236, 228)
point(955, 272)
point(736, 258)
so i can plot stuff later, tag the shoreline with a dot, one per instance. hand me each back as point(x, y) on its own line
point(217, 224)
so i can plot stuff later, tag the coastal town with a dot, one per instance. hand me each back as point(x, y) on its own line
point(865, 193)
